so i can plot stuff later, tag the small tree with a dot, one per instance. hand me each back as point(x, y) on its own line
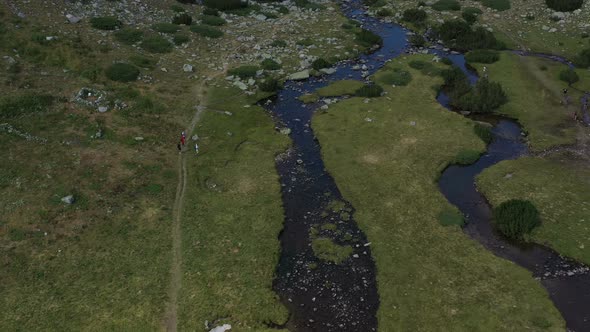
point(515, 218)
point(569, 76)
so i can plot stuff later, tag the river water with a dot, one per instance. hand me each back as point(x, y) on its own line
point(324, 296)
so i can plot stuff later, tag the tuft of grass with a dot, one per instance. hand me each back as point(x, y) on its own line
point(483, 131)
point(279, 43)
point(244, 71)
point(327, 249)
point(270, 64)
point(309, 98)
point(340, 88)
point(207, 31)
point(166, 27)
point(395, 76)
point(212, 20)
point(105, 23)
point(516, 218)
point(180, 38)
point(369, 91)
point(129, 36)
point(122, 72)
point(450, 217)
point(467, 157)
point(18, 105)
point(142, 61)
point(182, 19)
point(482, 56)
point(320, 63)
point(499, 5)
point(368, 39)
point(156, 44)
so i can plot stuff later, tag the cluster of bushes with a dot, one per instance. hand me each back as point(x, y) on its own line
point(582, 60)
point(396, 76)
point(156, 44)
point(485, 97)
point(184, 18)
point(122, 72)
point(483, 56)
point(414, 15)
point(129, 36)
point(320, 63)
point(368, 38)
point(470, 14)
point(443, 5)
point(206, 31)
point(458, 34)
point(515, 218)
point(270, 64)
point(417, 40)
point(105, 23)
point(165, 27)
point(499, 5)
point(369, 91)
point(564, 5)
point(244, 71)
point(212, 20)
point(12, 106)
point(569, 76)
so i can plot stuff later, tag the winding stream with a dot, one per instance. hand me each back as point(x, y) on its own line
point(324, 296)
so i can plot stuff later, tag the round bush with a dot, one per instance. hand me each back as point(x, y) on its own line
point(499, 5)
point(156, 44)
point(122, 72)
point(515, 218)
point(369, 91)
point(165, 27)
point(180, 38)
point(270, 85)
point(564, 5)
point(320, 63)
point(269, 64)
point(582, 60)
point(397, 76)
point(418, 64)
point(417, 40)
point(129, 36)
point(569, 76)
point(212, 20)
point(414, 15)
point(105, 23)
point(206, 31)
point(210, 11)
point(244, 71)
point(368, 38)
point(185, 19)
point(225, 4)
point(444, 5)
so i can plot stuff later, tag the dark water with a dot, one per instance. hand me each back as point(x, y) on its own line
point(324, 296)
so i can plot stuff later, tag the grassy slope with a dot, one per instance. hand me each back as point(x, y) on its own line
point(560, 191)
point(534, 98)
point(230, 232)
point(430, 277)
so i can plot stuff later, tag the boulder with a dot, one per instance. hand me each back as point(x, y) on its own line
point(103, 109)
point(68, 199)
point(299, 75)
point(73, 19)
point(222, 328)
point(187, 68)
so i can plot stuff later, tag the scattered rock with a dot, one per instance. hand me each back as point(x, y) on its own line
point(299, 75)
point(285, 131)
point(328, 71)
point(73, 19)
point(222, 328)
point(102, 109)
point(412, 123)
point(187, 68)
point(68, 199)
point(195, 137)
point(138, 138)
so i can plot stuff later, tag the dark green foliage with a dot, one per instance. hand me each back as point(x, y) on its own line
point(484, 132)
point(105, 23)
point(212, 20)
point(417, 40)
point(177, 8)
point(466, 157)
point(279, 43)
point(569, 76)
point(129, 36)
point(469, 18)
point(369, 91)
point(165, 27)
point(447, 61)
point(443, 5)
point(397, 77)
point(206, 31)
point(187, 1)
point(499, 5)
point(484, 98)
point(320, 63)
point(244, 71)
point(456, 84)
point(384, 12)
point(210, 11)
point(458, 34)
point(451, 217)
point(11, 106)
point(418, 64)
point(270, 64)
point(283, 10)
point(269, 85)
point(472, 10)
point(582, 60)
point(305, 42)
point(122, 72)
point(156, 44)
point(224, 4)
point(564, 5)
point(515, 218)
point(92, 74)
point(309, 5)
point(184, 18)
point(143, 61)
point(482, 56)
point(368, 38)
point(414, 15)
point(180, 38)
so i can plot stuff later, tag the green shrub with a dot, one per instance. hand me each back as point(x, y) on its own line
point(91, 74)
point(143, 61)
point(417, 40)
point(458, 34)
point(367, 38)
point(564, 5)
point(270, 85)
point(244, 71)
point(369, 91)
point(306, 4)
point(469, 18)
point(180, 38)
point(212, 20)
point(129, 36)
point(384, 12)
point(270, 64)
point(177, 8)
point(443, 5)
point(447, 61)
point(184, 18)
point(569, 76)
point(210, 11)
point(484, 98)
point(396, 76)
point(483, 131)
point(320, 63)
point(154, 188)
point(466, 157)
point(418, 64)
point(499, 5)
point(305, 42)
point(279, 43)
point(122, 72)
point(105, 23)
point(283, 10)
point(224, 4)
point(582, 60)
point(165, 27)
point(156, 44)
point(11, 106)
point(451, 217)
point(472, 10)
point(482, 56)
point(414, 15)
point(515, 218)
point(206, 31)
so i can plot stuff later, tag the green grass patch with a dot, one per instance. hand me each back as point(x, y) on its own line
point(122, 72)
point(129, 36)
point(270, 64)
point(180, 38)
point(18, 105)
point(569, 76)
point(212, 20)
point(182, 19)
point(482, 56)
point(206, 31)
point(309, 98)
point(243, 72)
point(395, 76)
point(142, 61)
point(320, 63)
point(340, 88)
point(165, 27)
point(328, 250)
point(483, 131)
point(499, 5)
point(467, 157)
point(105, 23)
point(157, 44)
point(451, 217)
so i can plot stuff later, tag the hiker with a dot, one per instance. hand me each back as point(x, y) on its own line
point(197, 148)
point(182, 140)
point(566, 98)
point(485, 72)
point(179, 147)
